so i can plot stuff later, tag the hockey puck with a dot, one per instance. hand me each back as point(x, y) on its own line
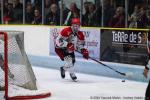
point(123, 80)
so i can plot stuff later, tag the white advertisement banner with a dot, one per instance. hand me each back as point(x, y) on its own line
point(92, 39)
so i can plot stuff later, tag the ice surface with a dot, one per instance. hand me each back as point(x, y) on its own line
point(88, 87)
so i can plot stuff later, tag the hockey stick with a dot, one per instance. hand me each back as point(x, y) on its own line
point(121, 73)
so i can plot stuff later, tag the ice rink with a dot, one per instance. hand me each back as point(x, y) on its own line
point(88, 87)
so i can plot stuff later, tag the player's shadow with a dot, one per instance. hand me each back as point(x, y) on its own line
point(80, 81)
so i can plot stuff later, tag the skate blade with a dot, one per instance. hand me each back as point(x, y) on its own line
point(75, 80)
point(70, 80)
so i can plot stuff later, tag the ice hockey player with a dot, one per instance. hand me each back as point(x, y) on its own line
point(69, 40)
point(146, 69)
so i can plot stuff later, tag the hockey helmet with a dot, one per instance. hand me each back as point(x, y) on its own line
point(75, 21)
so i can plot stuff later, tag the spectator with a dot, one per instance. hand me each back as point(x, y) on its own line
point(29, 13)
point(144, 20)
point(74, 13)
point(18, 11)
point(118, 20)
point(133, 3)
point(134, 17)
point(9, 15)
point(27, 1)
point(5, 6)
point(37, 17)
point(47, 6)
point(65, 12)
point(108, 12)
point(17, 4)
point(53, 17)
point(38, 4)
point(54, 2)
point(85, 16)
point(91, 16)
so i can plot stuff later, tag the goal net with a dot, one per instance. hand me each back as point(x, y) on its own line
point(17, 78)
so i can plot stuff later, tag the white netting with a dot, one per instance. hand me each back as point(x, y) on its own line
point(2, 79)
point(19, 72)
point(21, 78)
point(19, 91)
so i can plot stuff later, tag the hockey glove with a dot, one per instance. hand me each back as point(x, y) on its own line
point(70, 47)
point(85, 53)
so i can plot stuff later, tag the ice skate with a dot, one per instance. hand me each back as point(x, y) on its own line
point(73, 76)
point(62, 72)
